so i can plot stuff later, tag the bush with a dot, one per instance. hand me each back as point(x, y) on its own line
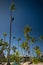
point(41, 59)
point(35, 60)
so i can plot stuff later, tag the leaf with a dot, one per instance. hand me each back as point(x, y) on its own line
point(12, 6)
point(41, 37)
point(27, 29)
point(28, 37)
point(33, 39)
point(19, 39)
point(24, 45)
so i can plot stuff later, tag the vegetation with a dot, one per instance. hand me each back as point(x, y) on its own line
point(3, 47)
point(35, 60)
point(38, 51)
point(25, 46)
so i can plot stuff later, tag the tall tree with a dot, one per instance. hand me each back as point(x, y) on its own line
point(17, 58)
point(33, 42)
point(12, 8)
point(24, 46)
point(41, 37)
point(38, 51)
point(27, 30)
point(3, 47)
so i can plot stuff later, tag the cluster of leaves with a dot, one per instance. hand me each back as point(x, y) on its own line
point(3, 47)
point(17, 57)
point(35, 60)
point(41, 59)
point(25, 45)
point(38, 51)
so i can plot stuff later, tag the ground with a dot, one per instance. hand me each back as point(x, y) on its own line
point(27, 63)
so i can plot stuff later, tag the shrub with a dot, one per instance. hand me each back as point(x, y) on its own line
point(35, 60)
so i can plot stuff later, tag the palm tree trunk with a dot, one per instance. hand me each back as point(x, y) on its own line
point(18, 45)
point(29, 51)
point(10, 39)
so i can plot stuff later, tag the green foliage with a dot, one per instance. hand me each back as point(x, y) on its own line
point(41, 59)
point(38, 51)
point(27, 29)
point(41, 37)
point(24, 45)
point(4, 59)
point(17, 57)
point(0, 42)
point(3, 47)
point(19, 39)
point(14, 48)
point(35, 60)
point(28, 37)
point(33, 40)
point(12, 7)
point(12, 58)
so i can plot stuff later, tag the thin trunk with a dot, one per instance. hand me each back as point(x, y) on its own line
point(29, 51)
point(4, 38)
point(18, 45)
point(10, 39)
point(32, 50)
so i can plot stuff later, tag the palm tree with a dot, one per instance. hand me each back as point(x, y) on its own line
point(41, 37)
point(33, 42)
point(24, 46)
point(28, 37)
point(3, 47)
point(1, 51)
point(38, 51)
point(19, 39)
point(17, 58)
point(27, 30)
point(12, 8)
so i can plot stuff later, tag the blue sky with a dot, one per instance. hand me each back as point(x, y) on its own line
point(28, 12)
